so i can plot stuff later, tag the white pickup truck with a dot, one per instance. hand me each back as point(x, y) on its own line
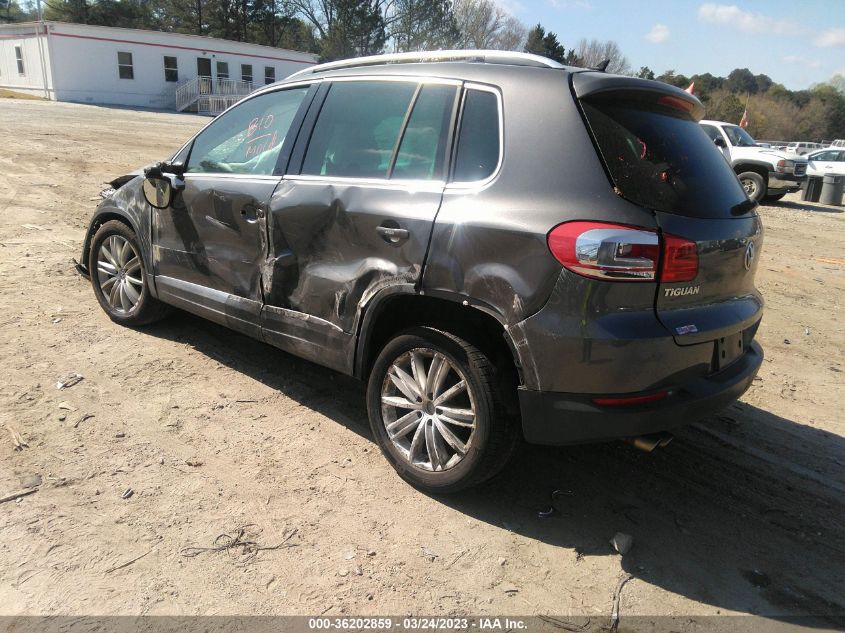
point(765, 173)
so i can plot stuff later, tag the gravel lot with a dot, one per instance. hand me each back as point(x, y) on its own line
point(743, 513)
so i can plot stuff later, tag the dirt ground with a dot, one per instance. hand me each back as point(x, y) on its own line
point(744, 513)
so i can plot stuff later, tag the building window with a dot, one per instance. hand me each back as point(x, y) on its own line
point(246, 72)
point(124, 66)
point(171, 69)
point(222, 70)
point(269, 74)
point(19, 58)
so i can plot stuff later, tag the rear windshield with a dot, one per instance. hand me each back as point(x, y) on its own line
point(660, 158)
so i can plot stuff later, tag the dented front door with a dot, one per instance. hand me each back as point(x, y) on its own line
point(210, 244)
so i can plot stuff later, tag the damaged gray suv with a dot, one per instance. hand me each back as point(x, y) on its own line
point(500, 246)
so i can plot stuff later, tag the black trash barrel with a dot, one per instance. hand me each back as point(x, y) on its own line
point(834, 186)
point(811, 188)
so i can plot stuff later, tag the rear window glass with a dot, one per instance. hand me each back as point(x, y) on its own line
point(660, 158)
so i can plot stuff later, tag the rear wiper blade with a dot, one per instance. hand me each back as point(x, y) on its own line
point(744, 207)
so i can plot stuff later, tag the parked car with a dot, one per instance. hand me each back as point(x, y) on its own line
point(802, 149)
point(500, 246)
point(826, 161)
point(765, 174)
point(840, 142)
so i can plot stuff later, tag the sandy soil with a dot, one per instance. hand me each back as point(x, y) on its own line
point(743, 513)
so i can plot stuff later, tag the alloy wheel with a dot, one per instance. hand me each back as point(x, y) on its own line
point(119, 274)
point(750, 187)
point(428, 410)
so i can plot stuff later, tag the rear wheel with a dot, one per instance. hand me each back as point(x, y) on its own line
point(119, 278)
point(754, 185)
point(435, 411)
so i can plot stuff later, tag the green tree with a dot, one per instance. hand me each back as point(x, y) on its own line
point(645, 73)
point(358, 29)
point(742, 80)
point(540, 42)
point(674, 79)
point(418, 25)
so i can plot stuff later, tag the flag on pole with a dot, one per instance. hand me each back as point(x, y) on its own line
point(743, 122)
point(691, 88)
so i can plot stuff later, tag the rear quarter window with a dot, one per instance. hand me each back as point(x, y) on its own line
point(659, 157)
point(479, 142)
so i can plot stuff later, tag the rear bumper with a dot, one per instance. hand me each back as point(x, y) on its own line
point(563, 418)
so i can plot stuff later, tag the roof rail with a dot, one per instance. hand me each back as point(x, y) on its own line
point(485, 56)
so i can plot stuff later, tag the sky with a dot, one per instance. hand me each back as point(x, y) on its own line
point(796, 42)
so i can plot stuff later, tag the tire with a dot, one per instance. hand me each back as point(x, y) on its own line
point(775, 197)
point(420, 451)
point(119, 277)
point(754, 185)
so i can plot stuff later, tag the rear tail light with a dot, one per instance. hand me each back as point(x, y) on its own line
point(615, 252)
point(680, 259)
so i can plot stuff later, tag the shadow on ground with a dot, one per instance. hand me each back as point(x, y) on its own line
point(744, 510)
point(808, 206)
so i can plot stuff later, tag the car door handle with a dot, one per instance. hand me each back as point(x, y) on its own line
point(393, 235)
point(251, 214)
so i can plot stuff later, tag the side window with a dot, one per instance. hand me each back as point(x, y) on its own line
point(358, 128)
point(246, 73)
point(248, 138)
point(269, 75)
point(222, 70)
point(423, 147)
point(712, 132)
point(840, 158)
point(478, 138)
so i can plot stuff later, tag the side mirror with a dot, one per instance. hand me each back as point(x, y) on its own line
point(158, 186)
point(158, 192)
point(720, 142)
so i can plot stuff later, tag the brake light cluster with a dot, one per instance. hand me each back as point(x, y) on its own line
point(615, 252)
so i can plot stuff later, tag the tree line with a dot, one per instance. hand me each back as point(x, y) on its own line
point(774, 112)
point(337, 29)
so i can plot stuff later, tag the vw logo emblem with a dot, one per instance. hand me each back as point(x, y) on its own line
point(749, 255)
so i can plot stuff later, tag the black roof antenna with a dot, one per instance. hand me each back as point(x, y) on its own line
point(602, 66)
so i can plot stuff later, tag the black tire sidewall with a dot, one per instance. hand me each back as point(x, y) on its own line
point(465, 473)
point(139, 315)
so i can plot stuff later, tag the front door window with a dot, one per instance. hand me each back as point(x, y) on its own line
point(247, 139)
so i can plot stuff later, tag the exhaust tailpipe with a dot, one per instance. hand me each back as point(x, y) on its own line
point(649, 443)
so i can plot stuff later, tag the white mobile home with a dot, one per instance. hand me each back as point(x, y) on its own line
point(107, 65)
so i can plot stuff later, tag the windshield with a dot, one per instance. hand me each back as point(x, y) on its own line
point(660, 158)
point(739, 137)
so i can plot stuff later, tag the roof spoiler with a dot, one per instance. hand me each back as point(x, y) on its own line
point(592, 83)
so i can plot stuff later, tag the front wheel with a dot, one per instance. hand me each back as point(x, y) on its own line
point(119, 277)
point(754, 185)
point(435, 410)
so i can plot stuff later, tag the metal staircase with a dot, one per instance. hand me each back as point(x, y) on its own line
point(206, 95)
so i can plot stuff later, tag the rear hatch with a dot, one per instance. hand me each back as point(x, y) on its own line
point(659, 158)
